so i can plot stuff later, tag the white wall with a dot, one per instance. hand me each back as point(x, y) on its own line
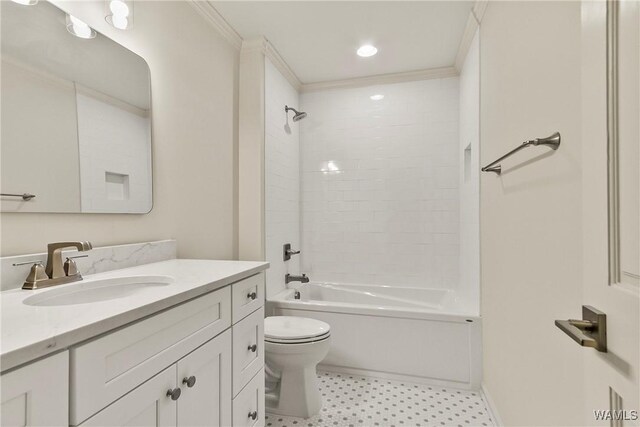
point(194, 75)
point(530, 216)
point(282, 178)
point(39, 133)
point(115, 140)
point(469, 174)
point(380, 184)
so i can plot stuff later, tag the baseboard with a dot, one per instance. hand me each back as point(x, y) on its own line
point(491, 406)
point(396, 377)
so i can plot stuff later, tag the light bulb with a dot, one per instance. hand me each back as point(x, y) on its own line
point(26, 2)
point(79, 28)
point(119, 8)
point(120, 22)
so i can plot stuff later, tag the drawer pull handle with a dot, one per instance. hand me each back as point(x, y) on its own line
point(253, 348)
point(252, 295)
point(190, 381)
point(174, 394)
point(253, 415)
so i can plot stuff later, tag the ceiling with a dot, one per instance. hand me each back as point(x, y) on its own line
point(318, 39)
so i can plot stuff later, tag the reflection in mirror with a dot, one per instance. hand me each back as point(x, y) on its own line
point(76, 117)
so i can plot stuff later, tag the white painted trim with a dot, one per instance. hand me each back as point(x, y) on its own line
point(262, 45)
point(395, 377)
point(493, 411)
point(479, 8)
point(206, 9)
point(467, 37)
point(282, 66)
point(473, 23)
point(409, 76)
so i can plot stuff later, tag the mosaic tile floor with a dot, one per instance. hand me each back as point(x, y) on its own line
point(354, 401)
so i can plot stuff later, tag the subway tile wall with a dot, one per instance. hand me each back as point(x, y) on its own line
point(379, 181)
point(282, 178)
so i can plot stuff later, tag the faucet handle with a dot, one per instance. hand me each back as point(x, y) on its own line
point(36, 274)
point(33, 261)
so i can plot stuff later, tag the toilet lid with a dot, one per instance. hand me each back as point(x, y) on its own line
point(290, 328)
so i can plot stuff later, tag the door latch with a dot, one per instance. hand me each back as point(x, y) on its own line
point(591, 331)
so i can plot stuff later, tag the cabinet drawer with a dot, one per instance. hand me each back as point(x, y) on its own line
point(250, 403)
point(248, 349)
point(104, 369)
point(242, 300)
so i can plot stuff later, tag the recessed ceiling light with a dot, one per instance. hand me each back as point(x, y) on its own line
point(26, 2)
point(79, 28)
point(376, 97)
point(367, 50)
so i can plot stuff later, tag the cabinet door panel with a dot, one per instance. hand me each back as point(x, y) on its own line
point(147, 405)
point(208, 401)
point(247, 359)
point(248, 406)
point(27, 398)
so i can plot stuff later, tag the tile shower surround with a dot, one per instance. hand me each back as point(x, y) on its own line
point(380, 196)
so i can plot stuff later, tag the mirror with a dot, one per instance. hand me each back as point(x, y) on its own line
point(76, 118)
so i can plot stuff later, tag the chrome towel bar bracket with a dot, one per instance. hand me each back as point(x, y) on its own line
point(552, 141)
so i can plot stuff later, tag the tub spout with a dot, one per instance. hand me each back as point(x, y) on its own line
point(288, 278)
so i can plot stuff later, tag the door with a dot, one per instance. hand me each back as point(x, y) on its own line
point(148, 405)
point(205, 379)
point(26, 393)
point(611, 255)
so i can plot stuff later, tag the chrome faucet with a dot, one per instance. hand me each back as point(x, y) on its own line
point(288, 278)
point(56, 273)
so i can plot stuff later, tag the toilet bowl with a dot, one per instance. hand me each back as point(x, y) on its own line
point(293, 348)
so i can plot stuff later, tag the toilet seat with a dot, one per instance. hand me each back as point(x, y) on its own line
point(294, 330)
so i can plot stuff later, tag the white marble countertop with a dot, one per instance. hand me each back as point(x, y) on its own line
point(29, 332)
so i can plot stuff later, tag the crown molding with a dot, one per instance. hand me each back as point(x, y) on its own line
point(409, 76)
point(257, 44)
point(282, 66)
point(467, 37)
point(206, 10)
point(473, 23)
point(262, 45)
point(479, 8)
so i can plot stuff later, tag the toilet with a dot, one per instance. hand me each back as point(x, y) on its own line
point(293, 348)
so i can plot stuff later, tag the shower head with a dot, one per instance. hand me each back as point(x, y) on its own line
point(299, 115)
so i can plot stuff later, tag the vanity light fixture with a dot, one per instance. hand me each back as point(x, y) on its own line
point(26, 2)
point(367, 50)
point(376, 97)
point(79, 28)
point(119, 13)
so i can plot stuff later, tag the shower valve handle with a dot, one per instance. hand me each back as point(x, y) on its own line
point(287, 252)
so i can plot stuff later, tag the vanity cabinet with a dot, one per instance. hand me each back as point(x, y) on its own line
point(188, 393)
point(198, 363)
point(37, 394)
point(110, 366)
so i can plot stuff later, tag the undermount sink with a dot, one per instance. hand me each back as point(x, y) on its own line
point(97, 290)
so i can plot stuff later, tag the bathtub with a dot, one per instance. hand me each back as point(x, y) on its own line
point(430, 336)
